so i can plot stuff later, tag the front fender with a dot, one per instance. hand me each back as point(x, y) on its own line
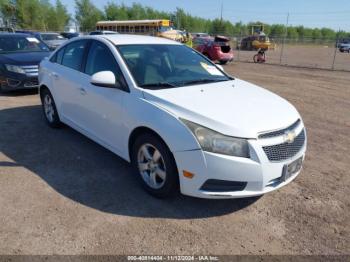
point(143, 113)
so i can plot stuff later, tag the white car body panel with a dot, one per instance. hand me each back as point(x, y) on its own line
point(234, 108)
point(100, 111)
point(228, 107)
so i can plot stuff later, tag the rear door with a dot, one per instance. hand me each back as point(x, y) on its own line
point(67, 81)
point(199, 44)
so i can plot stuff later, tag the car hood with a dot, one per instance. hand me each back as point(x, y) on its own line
point(23, 58)
point(234, 108)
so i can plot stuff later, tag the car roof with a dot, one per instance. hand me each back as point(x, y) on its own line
point(124, 39)
point(48, 33)
point(15, 35)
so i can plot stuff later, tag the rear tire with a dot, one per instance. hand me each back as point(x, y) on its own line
point(49, 109)
point(155, 166)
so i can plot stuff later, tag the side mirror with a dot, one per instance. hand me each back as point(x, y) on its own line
point(104, 79)
point(220, 67)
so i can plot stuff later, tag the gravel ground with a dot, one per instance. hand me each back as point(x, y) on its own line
point(61, 193)
point(313, 56)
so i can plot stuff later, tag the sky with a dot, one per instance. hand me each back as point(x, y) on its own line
point(334, 14)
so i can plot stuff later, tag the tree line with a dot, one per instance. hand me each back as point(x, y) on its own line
point(43, 15)
point(35, 14)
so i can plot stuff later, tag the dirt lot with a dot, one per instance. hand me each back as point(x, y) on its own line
point(61, 193)
point(314, 56)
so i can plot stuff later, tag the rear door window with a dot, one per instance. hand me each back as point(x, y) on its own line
point(60, 54)
point(74, 54)
point(57, 58)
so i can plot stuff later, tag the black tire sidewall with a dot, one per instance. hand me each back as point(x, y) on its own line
point(171, 185)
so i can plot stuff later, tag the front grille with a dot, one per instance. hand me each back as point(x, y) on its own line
point(31, 70)
point(281, 131)
point(285, 151)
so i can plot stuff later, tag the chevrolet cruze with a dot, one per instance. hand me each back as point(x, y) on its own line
point(183, 123)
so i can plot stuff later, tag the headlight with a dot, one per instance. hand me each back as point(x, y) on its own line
point(14, 68)
point(215, 142)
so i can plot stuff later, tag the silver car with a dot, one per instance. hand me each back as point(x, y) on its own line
point(53, 40)
point(345, 47)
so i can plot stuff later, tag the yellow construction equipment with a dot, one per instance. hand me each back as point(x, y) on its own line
point(257, 40)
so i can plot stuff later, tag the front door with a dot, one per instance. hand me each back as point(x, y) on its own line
point(102, 107)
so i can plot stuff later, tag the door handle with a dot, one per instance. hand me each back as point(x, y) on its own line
point(55, 75)
point(82, 91)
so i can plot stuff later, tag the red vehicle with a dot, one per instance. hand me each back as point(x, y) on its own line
point(215, 48)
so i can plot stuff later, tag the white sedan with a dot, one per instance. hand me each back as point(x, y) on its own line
point(183, 123)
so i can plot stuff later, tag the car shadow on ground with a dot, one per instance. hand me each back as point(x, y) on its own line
point(85, 172)
point(25, 92)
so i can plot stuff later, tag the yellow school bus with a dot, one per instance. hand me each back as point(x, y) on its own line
point(142, 27)
point(157, 27)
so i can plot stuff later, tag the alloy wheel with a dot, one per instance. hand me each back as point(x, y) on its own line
point(49, 109)
point(151, 166)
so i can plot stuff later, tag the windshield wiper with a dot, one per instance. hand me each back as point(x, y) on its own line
point(203, 81)
point(158, 85)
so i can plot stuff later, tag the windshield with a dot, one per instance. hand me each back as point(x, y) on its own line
point(15, 44)
point(48, 37)
point(165, 66)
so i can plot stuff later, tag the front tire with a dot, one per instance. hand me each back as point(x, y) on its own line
point(49, 109)
point(155, 166)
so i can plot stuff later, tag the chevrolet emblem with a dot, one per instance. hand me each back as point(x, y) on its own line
point(289, 137)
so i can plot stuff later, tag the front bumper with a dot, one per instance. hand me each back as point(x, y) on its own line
point(18, 81)
point(259, 174)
